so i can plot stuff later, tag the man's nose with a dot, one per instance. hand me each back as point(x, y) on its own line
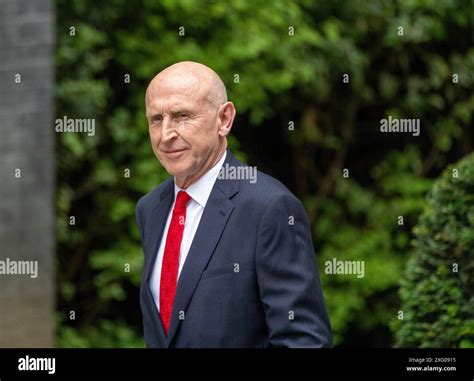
point(168, 129)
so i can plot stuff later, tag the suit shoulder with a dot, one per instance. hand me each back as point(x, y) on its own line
point(152, 197)
point(267, 189)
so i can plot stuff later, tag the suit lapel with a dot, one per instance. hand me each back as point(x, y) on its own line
point(218, 209)
point(156, 226)
point(155, 229)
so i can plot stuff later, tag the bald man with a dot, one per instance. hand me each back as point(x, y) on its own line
point(229, 262)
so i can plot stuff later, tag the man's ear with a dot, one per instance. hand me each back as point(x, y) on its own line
point(226, 117)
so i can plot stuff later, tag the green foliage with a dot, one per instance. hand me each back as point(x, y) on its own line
point(282, 77)
point(437, 297)
point(109, 334)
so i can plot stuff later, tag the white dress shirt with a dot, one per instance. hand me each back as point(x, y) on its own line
point(199, 192)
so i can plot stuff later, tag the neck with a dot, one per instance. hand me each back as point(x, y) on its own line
point(213, 159)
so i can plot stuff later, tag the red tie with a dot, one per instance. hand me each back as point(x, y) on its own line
point(169, 268)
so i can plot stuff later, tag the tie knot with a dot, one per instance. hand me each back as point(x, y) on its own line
point(181, 200)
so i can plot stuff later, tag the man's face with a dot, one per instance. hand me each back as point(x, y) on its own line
point(183, 125)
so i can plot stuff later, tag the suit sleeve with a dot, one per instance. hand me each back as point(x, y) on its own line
point(288, 277)
point(138, 218)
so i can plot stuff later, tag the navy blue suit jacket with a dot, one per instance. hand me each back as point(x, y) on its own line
point(250, 278)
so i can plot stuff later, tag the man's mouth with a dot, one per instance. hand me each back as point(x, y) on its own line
point(174, 153)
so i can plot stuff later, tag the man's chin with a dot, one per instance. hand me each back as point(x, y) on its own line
point(179, 174)
point(175, 169)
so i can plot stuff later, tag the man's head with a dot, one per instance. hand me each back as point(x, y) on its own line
point(189, 119)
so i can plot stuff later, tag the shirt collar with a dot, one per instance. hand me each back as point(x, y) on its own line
point(201, 189)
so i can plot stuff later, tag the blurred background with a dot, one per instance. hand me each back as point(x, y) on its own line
point(311, 81)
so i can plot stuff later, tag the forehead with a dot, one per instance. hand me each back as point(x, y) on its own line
point(171, 103)
point(171, 90)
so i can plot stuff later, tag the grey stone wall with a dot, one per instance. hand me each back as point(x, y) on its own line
point(27, 143)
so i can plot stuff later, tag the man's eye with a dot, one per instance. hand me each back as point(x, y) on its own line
point(182, 115)
point(156, 119)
